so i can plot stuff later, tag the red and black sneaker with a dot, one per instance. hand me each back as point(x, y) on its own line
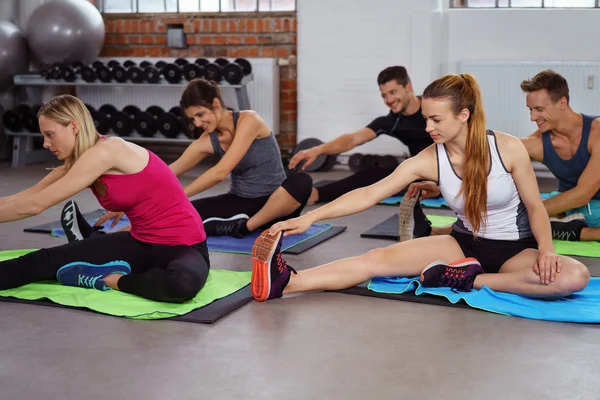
point(270, 272)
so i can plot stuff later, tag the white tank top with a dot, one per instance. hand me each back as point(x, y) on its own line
point(506, 214)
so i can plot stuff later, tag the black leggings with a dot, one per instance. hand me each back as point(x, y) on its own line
point(158, 272)
point(360, 179)
point(297, 184)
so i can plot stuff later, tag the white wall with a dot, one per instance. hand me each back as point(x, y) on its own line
point(520, 34)
point(342, 47)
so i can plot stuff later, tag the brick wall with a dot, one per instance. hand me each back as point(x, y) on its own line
point(271, 35)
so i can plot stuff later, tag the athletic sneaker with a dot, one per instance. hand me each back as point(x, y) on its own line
point(225, 226)
point(74, 224)
point(412, 219)
point(88, 275)
point(270, 272)
point(568, 228)
point(458, 275)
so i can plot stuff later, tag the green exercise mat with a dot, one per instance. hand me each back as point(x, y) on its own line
point(220, 284)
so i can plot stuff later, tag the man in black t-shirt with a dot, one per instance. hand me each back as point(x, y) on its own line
point(404, 122)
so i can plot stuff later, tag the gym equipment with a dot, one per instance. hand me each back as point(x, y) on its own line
point(235, 71)
point(224, 292)
point(435, 202)
point(118, 121)
point(69, 72)
point(135, 73)
point(330, 162)
point(356, 162)
point(173, 72)
point(371, 161)
point(307, 144)
point(118, 71)
point(214, 71)
point(295, 244)
point(14, 57)
point(389, 162)
point(22, 117)
point(65, 31)
point(152, 73)
point(144, 122)
point(169, 123)
point(195, 70)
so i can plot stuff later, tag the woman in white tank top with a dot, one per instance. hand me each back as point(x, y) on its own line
point(486, 178)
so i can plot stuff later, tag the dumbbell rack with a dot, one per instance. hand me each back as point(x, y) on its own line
point(23, 152)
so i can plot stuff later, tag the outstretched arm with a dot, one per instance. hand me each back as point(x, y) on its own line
point(198, 150)
point(422, 166)
point(247, 130)
point(339, 145)
point(49, 179)
point(92, 163)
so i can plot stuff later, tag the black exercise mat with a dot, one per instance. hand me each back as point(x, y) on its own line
point(362, 290)
point(387, 229)
point(315, 240)
point(47, 228)
point(204, 315)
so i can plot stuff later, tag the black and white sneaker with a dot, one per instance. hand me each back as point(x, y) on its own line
point(74, 224)
point(413, 222)
point(231, 226)
point(568, 228)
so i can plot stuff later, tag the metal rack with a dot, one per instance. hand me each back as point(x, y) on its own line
point(23, 152)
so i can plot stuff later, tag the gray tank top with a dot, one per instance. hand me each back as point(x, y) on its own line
point(260, 172)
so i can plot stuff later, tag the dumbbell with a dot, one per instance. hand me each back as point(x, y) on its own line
point(118, 71)
point(169, 124)
point(135, 73)
point(356, 162)
point(22, 117)
point(144, 122)
point(69, 72)
point(152, 73)
point(97, 70)
point(118, 121)
point(101, 121)
point(389, 162)
point(173, 72)
point(235, 71)
point(195, 70)
point(214, 71)
point(53, 72)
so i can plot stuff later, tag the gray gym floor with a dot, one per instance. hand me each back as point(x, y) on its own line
point(320, 345)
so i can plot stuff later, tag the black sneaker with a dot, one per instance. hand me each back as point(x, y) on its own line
point(74, 224)
point(568, 228)
point(413, 221)
point(225, 226)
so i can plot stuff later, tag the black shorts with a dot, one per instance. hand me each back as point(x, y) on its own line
point(492, 254)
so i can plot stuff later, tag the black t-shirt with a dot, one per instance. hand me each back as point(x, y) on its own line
point(409, 129)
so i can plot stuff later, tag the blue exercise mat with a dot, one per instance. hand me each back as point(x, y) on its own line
point(228, 244)
point(436, 202)
point(582, 307)
point(59, 232)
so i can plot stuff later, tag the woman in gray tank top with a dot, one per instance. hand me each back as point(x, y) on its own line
point(260, 192)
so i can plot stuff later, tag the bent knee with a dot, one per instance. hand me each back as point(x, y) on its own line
point(184, 287)
point(374, 261)
point(573, 279)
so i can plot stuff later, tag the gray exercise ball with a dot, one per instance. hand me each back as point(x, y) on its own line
point(14, 54)
point(65, 31)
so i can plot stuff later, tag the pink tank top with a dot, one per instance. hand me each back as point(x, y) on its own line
point(155, 203)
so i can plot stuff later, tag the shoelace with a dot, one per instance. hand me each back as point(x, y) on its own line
point(225, 229)
point(558, 235)
point(87, 281)
point(281, 264)
point(456, 284)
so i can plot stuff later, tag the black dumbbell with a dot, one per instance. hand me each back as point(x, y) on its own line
point(169, 124)
point(52, 72)
point(195, 70)
point(28, 117)
point(235, 71)
point(118, 71)
point(356, 162)
point(101, 121)
point(69, 72)
point(135, 73)
point(306, 144)
point(152, 73)
point(214, 71)
point(372, 161)
point(389, 162)
point(145, 121)
point(96, 71)
point(173, 72)
point(118, 121)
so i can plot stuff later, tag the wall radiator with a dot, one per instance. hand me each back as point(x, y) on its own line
point(504, 101)
point(263, 91)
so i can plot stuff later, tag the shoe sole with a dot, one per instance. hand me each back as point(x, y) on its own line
point(463, 262)
point(406, 218)
point(74, 228)
point(238, 216)
point(262, 255)
point(569, 218)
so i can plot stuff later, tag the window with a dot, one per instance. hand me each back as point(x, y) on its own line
point(158, 6)
point(524, 3)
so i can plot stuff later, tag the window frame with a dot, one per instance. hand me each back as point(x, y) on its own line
point(135, 6)
point(497, 5)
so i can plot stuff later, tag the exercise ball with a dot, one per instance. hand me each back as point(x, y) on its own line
point(65, 31)
point(14, 54)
